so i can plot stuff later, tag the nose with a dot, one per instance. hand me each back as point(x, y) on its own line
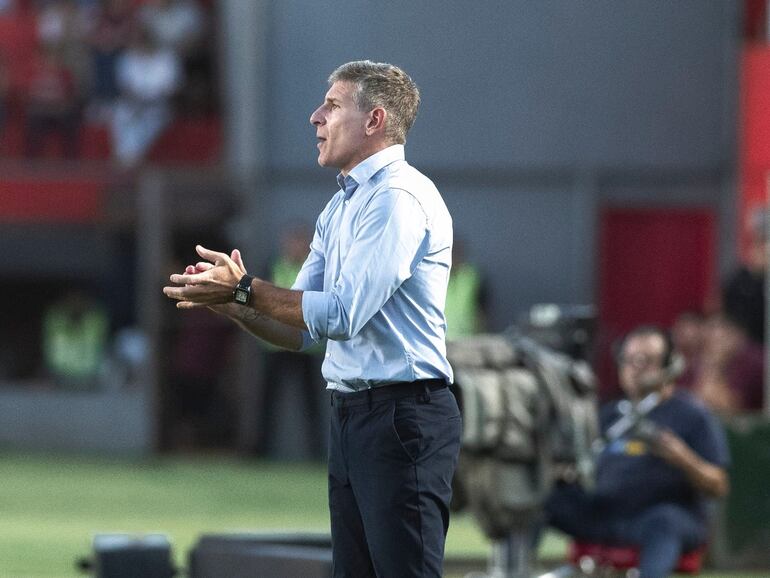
point(316, 118)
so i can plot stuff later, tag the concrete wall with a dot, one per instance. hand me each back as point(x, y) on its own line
point(519, 83)
point(534, 115)
point(100, 422)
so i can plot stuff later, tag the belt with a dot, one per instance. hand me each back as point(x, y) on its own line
point(386, 392)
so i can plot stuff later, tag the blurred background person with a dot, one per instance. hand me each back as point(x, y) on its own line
point(148, 76)
point(75, 340)
point(181, 26)
point(65, 26)
point(177, 25)
point(743, 294)
point(109, 36)
point(688, 336)
point(297, 373)
point(466, 298)
point(730, 376)
point(52, 103)
point(196, 403)
point(654, 480)
point(4, 92)
point(198, 412)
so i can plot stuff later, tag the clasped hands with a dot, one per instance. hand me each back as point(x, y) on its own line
point(207, 283)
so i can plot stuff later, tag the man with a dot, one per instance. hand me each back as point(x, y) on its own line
point(466, 297)
point(374, 284)
point(743, 293)
point(731, 373)
point(291, 369)
point(652, 481)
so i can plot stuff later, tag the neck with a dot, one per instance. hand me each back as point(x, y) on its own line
point(665, 391)
point(367, 151)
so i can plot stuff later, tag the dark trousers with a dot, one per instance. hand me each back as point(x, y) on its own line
point(391, 463)
point(662, 532)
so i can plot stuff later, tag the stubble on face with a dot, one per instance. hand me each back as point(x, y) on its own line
point(340, 128)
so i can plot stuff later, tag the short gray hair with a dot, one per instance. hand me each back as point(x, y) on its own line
point(379, 84)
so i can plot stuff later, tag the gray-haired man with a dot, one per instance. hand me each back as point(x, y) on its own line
point(374, 284)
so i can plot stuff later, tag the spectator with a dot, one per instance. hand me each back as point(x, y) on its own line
point(687, 335)
point(148, 76)
point(284, 369)
point(465, 309)
point(180, 25)
point(110, 36)
point(52, 104)
point(197, 411)
point(64, 26)
point(75, 334)
point(743, 295)
point(652, 480)
point(176, 25)
point(730, 378)
point(4, 90)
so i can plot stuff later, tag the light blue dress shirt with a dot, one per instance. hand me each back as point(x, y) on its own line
point(376, 278)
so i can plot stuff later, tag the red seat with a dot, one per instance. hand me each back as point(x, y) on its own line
point(625, 557)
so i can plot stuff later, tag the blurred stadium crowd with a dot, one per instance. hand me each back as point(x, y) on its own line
point(96, 79)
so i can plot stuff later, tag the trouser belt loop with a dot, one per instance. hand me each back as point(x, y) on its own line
point(426, 393)
point(369, 398)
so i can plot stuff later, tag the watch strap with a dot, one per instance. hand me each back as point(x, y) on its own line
point(242, 291)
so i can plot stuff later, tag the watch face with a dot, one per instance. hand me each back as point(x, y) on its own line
point(241, 296)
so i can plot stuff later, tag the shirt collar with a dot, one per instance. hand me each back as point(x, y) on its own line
point(368, 167)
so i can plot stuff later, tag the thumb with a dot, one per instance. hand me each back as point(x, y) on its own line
point(213, 256)
point(238, 259)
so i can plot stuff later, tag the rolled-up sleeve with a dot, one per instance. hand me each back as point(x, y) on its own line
point(314, 312)
point(390, 240)
point(310, 280)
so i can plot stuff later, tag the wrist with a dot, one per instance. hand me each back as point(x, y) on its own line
point(242, 291)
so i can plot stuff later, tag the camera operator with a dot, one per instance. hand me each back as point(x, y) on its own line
point(656, 472)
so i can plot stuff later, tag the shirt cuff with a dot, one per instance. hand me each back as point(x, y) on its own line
point(307, 341)
point(315, 312)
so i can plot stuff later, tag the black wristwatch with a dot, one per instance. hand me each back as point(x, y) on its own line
point(242, 291)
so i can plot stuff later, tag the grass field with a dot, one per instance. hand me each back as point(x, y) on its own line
point(52, 506)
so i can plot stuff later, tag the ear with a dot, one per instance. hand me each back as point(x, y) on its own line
point(376, 121)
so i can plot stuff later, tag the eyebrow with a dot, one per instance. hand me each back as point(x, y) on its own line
point(332, 100)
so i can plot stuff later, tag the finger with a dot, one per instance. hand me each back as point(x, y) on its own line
point(186, 279)
point(214, 256)
point(238, 259)
point(202, 266)
point(190, 294)
point(190, 305)
point(190, 270)
point(173, 292)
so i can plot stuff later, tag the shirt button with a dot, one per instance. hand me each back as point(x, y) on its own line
point(347, 202)
point(328, 355)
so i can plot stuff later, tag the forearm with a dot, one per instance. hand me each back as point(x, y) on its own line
point(264, 328)
point(281, 305)
point(704, 476)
